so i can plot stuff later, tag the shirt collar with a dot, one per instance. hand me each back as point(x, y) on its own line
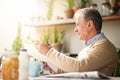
point(98, 36)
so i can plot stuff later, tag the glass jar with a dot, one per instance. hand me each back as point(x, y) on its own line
point(105, 9)
point(9, 67)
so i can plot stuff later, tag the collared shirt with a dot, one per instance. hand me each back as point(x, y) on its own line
point(98, 36)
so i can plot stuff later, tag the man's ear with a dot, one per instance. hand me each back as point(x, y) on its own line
point(90, 23)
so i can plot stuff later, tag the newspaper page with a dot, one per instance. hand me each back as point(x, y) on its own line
point(32, 51)
point(86, 75)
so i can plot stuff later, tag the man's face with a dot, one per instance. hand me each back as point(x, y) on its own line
point(82, 29)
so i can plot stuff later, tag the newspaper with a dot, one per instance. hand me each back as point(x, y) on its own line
point(32, 51)
point(83, 75)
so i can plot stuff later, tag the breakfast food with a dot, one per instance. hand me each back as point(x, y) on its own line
point(10, 68)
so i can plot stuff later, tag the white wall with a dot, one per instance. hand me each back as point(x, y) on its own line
point(112, 31)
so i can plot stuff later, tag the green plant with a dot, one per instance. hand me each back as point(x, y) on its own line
point(17, 43)
point(45, 36)
point(83, 3)
point(50, 9)
point(70, 3)
point(56, 36)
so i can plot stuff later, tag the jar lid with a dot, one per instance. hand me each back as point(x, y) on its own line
point(23, 49)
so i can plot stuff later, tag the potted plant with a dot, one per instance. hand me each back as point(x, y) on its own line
point(50, 7)
point(69, 11)
point(56, 37)
point(80, 4)
point(45, 36)
point(17, 43)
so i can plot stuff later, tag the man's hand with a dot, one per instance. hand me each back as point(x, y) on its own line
point(46, 67)
point(42, 47)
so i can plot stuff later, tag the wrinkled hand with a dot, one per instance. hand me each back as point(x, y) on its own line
point(46, 67)
point(42, 47)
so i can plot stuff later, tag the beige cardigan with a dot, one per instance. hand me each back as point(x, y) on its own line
point(101, 55)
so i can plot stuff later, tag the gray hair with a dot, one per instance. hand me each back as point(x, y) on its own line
point(90, 14)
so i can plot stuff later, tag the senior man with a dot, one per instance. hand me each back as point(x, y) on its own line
point(98, 55)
